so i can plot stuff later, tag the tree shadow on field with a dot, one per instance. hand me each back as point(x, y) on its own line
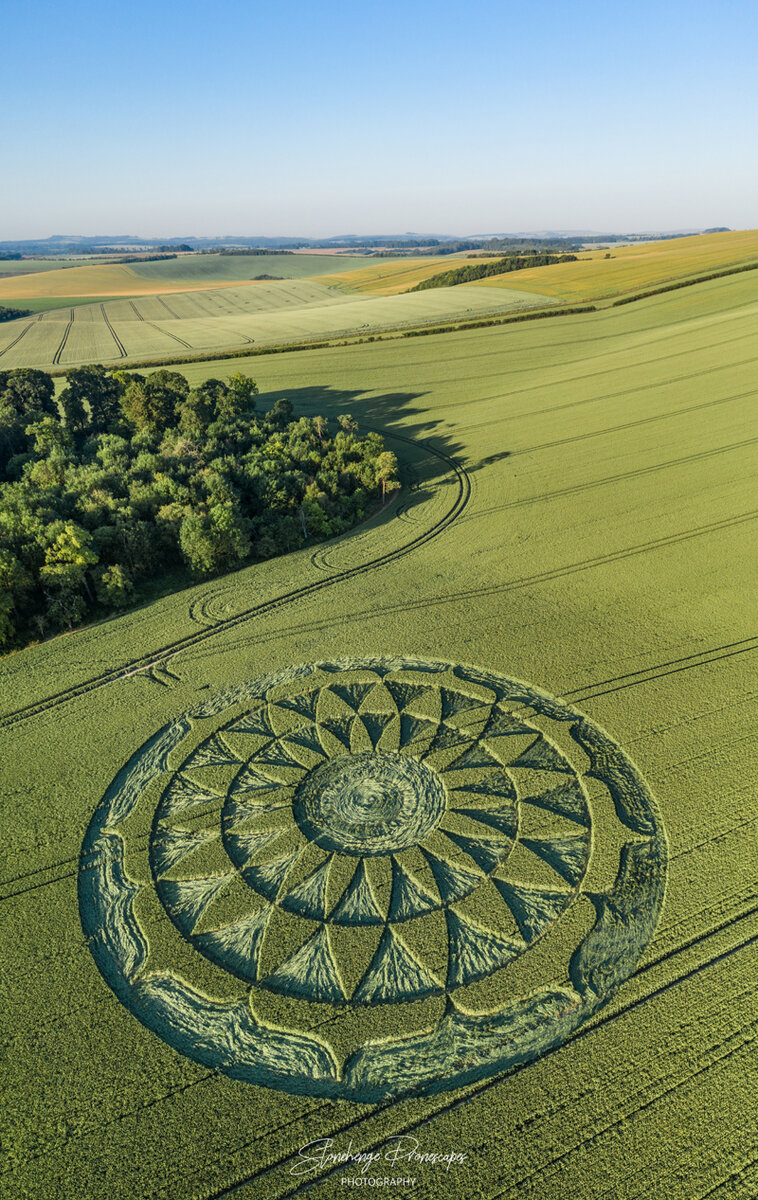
point(391, 414)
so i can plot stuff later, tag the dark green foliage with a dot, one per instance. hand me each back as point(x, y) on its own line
point(13, 314)
point(501, 266)
point(92, 398)
point(134, 476)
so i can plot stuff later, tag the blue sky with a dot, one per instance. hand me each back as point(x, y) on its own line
point(316, 119)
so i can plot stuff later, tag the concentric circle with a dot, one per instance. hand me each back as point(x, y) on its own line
point(389, 836)
point(370, 803)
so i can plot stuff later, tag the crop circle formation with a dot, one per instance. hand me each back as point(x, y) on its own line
point(366, 878)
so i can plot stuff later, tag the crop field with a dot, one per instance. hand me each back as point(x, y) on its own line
point(635, 268)
point(166, 275)
point(443, 830)
point(238, 267)
point(33, 266)
point(226, 318)
point(390, 276)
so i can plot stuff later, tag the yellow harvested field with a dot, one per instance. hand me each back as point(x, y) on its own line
point(390, 276)
point(633, 268)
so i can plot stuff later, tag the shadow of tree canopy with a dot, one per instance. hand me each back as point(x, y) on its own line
point(394, 415)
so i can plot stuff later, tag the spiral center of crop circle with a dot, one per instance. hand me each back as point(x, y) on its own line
point(372, 803)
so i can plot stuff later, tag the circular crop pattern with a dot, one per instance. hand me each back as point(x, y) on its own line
point(382, 876)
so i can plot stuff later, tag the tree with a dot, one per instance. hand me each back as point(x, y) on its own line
point(49, 436)
point(240, 396)
point(75, 416)
point(154, 402)
point(215, 540)
point(29, 392)
point(385, 471)
point(279, 416)
point(69, 554)
point(347, 422)
point(99, 392)
point(114, 586)
point(13, 582)
point(198, 481)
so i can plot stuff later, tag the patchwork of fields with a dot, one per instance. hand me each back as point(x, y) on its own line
point(165, 275)
point(578, 512)
point(636, 268)
point(229, 318)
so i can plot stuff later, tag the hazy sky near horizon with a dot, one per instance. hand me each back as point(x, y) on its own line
point(316, 119)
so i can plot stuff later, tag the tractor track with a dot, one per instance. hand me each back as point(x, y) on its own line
point(158, 329)
point(119, 344)
point(64, 339)
point(19, 336)
point(171, 648)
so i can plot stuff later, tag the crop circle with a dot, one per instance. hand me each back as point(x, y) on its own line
point(465, 864)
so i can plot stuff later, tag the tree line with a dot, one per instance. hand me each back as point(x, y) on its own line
point(127, 478)
point(13, 314)
point(481, 270)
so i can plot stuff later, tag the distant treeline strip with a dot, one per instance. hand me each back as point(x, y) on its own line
point(13, 314)
point(683, 283)
point(501, 266)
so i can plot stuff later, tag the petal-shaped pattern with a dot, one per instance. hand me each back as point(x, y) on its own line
point(304, 705)
point(267, 878)
point(212, 753)
point(352, 694)
point(567, 856)
point(311, 972)
point(184, 794)
point(307, 737)
point(567, 801)
point(486, 852)
point(504, 819)
point(406, 695)
point(534, 908)
point(491, 786)
point(458, 704)
point(542, 756)
point(339, 728)
point(358, 905)
point(246, 844)
point(453, 882)
point(395, 974)
point(416, 729)
point(474, 950)
point(187, 899)
point(171, 844)
point(476, 758)
point(309, 897)
point(258, 722)
point(409, 897)
point(239, 943)
point(250, 781)
point(504, 724)
point(376, 723)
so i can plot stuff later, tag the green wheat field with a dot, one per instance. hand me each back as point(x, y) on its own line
point(579, 512)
